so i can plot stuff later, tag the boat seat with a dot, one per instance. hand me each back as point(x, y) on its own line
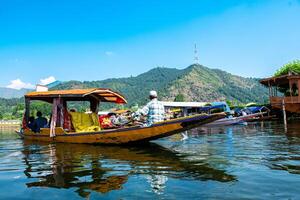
point(85, 122)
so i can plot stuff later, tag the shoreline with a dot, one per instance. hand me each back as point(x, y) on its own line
point(10, 123)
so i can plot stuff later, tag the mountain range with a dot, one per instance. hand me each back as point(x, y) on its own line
point(8, 93)
point(194, 83)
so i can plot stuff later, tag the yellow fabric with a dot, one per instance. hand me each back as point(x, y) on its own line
point(85, 122)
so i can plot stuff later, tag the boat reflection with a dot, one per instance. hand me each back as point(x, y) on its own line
point(102, 169)
point(286, 156)
point(275, 152)
point(293, 129)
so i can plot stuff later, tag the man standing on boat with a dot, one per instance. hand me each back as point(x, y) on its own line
point(154, 110)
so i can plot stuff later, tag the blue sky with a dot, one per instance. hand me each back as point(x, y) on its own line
point(95, 40)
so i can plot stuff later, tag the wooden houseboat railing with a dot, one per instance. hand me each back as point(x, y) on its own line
point(290, 99)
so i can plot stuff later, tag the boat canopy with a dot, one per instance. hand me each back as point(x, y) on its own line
point(255, 109)
point(222, 104)
point(99, 94)
point(208, 108)
point(183, 104)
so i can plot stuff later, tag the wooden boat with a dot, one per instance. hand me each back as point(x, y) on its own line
point(250, 114)
point(57, 131)
point(233, 120)
point(260, 118)
point(265, 113)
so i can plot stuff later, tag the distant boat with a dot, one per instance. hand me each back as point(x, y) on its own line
point(232, 120)
point(263, 112)
point(254, 113)
point(59, 131)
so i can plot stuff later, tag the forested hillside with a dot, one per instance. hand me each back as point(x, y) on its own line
point(200, 83)
point(195, 83)
point(135, 89)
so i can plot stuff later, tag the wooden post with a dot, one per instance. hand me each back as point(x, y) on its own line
point(54, 117)
point(27, 109)
point(284, 114)
point(185, 112)
point(298, 84)
point(271, 89)
point(94, 105)
point(290, 88)
point(270, 92)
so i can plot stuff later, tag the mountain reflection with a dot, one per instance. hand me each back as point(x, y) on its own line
point(102, 169)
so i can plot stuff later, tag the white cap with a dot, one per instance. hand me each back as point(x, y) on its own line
point(153, 93)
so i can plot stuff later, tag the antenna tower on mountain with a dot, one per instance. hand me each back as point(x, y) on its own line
point(196, 58)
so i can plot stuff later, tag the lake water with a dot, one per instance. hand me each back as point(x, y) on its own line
point(258, 161)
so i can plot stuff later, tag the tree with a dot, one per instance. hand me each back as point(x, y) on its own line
point(293, 66)
point(179, 98)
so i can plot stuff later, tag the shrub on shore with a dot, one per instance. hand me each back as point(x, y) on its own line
point(293, 66)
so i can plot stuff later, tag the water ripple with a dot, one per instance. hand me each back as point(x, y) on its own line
point(258, 161)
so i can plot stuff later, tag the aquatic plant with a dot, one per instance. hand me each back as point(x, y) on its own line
point(293, 66)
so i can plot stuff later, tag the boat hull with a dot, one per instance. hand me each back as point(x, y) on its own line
point(233, 120)
point(127, 135)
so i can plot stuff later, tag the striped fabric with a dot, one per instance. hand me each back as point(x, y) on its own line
point(154, 111)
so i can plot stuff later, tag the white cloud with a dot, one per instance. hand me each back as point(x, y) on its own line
point(18, 84)
point(109, 53)
point(48, 80)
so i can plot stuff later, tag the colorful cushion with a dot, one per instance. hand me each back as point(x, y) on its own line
point(85, 122)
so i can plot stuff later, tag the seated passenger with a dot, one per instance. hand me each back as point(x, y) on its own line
point(31, 123)
point(40, 122)
point(118, 120)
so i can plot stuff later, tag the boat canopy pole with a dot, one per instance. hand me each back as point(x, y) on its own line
point(290, 88)
point(94, 104)
point(56, 114)
point(27, 110)
point(270, 92)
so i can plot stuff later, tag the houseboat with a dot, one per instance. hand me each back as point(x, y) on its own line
point(284, 91)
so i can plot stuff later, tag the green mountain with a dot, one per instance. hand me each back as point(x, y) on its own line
point(195, 83)
point(135, 89)
point(200, 83)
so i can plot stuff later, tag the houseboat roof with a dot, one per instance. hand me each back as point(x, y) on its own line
point(279, 80)
point(101, 94)
point(183, 104)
